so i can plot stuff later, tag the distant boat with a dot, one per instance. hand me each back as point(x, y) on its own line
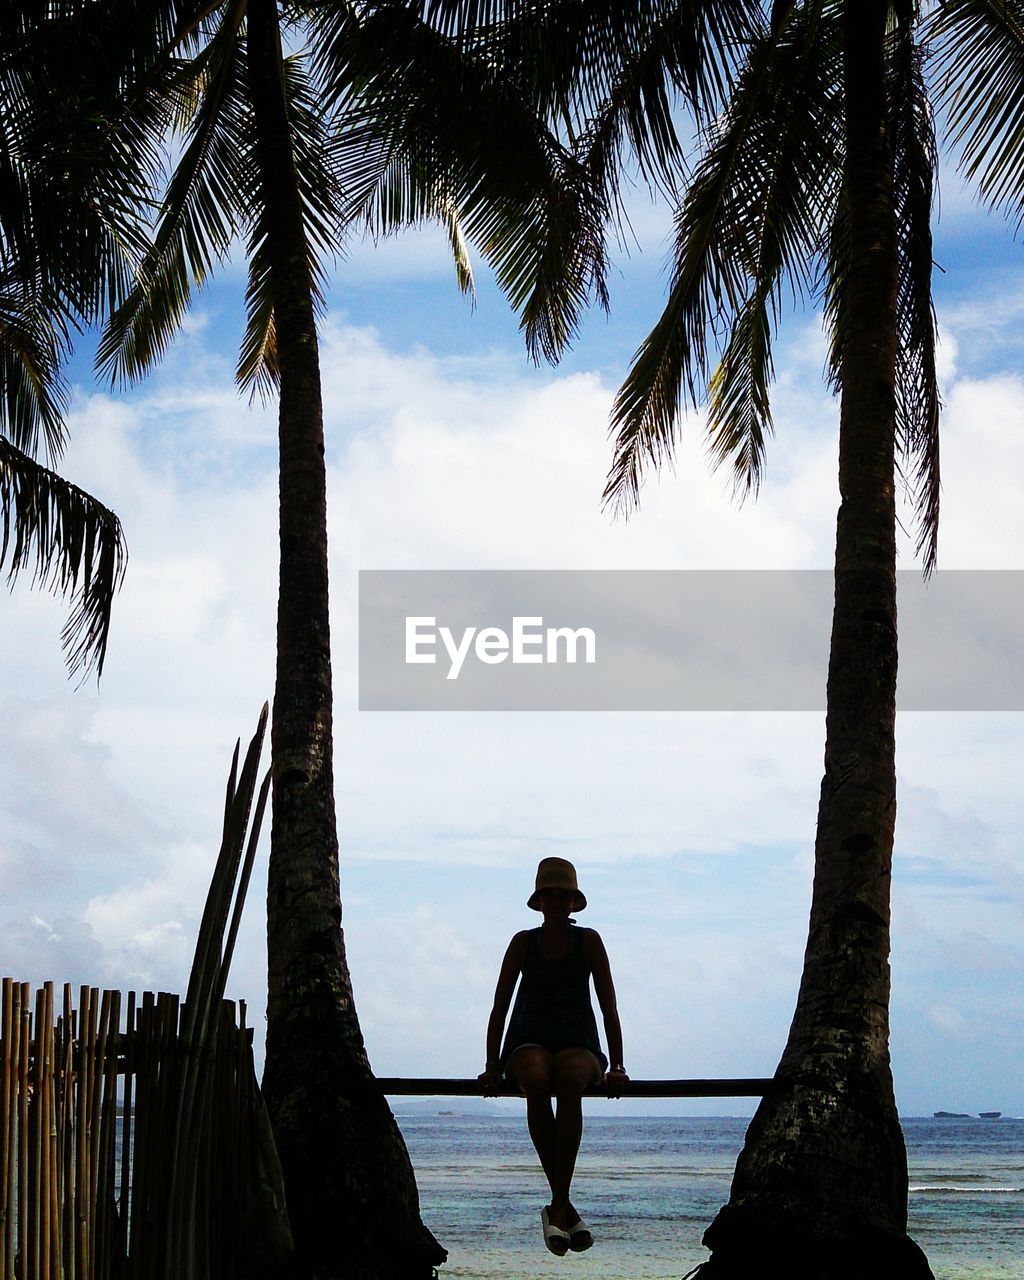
point(990, 1115)
point(951, 1115)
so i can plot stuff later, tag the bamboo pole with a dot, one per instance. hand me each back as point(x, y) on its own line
point(232, 1182)
point(110, 1138)
point(35, 1240)
point(93, 1118)
point(40, 1144)
point(57, 1143)
point(160, 1137)
point(23, 1144)
point(82, 1138)
point(140, 1188)
point(157, 1137)
point(7, 1129)
point(171, 1050)
point(243, 1111)
point(12, 1053)
point(54, 1250)
point(47, 1135)
point(98, 1056)
point(127, 1129)
point(212, 1232)
point(69, 1130)
point(105, 1150)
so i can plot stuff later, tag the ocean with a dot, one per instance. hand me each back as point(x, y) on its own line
point(650, 1186)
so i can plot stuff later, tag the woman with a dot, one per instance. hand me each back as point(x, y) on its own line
point(552, 1046)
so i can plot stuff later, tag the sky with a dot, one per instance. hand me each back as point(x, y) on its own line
point(692, 832)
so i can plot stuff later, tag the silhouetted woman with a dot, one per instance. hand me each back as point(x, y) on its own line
point(552, 1046)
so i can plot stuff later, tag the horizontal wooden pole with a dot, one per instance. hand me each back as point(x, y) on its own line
point(755, 1087)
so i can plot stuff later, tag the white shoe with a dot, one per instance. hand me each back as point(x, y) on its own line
point(556, 1240)
point(580, 1236)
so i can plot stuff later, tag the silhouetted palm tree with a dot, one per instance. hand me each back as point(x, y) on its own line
point(279, 149)
point(815, 175)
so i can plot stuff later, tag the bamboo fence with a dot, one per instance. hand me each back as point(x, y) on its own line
point(89, 1128)
point(138, 1147)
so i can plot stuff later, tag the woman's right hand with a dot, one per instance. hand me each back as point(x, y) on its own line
point(490, 1081)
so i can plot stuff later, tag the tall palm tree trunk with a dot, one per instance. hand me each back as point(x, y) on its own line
point(820, 1189)
point(350, 1188)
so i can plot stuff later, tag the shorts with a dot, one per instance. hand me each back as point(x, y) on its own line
point(602, 1061)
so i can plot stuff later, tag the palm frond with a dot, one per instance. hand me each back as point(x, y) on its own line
point(690, 51)
point(790, 191)
point(427, 120)
point(199, 214)
point(915, 165)
point(467, 19)
point(575, 56)
point(750, 221)
point(72, 544)
point(460, 250)
point(978, 48)
point(258, 371)
point(316, 163)
point(82, 151)
point(316, 168)
point(636, 118)
point(835, 273)
point(739, 407)
point(32, 392)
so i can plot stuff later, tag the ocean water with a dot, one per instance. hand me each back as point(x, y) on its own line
point(650, 1186)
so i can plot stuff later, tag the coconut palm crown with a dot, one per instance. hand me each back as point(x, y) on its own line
point(68, 243)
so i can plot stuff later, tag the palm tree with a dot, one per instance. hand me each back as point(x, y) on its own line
point(821, 1184)
point(816, 173)
point(59, 244)
point(280, 149)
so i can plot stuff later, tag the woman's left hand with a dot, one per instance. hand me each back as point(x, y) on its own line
point(614, 1079)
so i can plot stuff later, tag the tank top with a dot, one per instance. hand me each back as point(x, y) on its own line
point(552, 1006)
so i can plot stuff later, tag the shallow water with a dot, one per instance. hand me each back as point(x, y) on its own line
point(650, 1186)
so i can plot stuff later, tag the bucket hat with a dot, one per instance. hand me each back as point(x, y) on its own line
point(556, 873)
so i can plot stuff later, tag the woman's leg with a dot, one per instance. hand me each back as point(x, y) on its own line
point(574, 1071)
point(531, 1069)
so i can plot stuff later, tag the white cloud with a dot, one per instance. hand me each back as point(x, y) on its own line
point(695, 830)
point(982, 518)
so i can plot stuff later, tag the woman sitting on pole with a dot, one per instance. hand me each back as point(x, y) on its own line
point(552, 1046)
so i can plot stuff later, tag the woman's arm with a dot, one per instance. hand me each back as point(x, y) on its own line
point(605, 988)
point(507, 977)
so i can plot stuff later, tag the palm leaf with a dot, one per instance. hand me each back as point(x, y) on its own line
point(200, 213)
point(750, 220)
point(616, 75)
point(316, 166)
point(915, 165)
point(32, 393)
point(577, 55)
point(978, 47)
point(789, 175)
point(73, 545)
point(426, 131)
point(80, 153)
